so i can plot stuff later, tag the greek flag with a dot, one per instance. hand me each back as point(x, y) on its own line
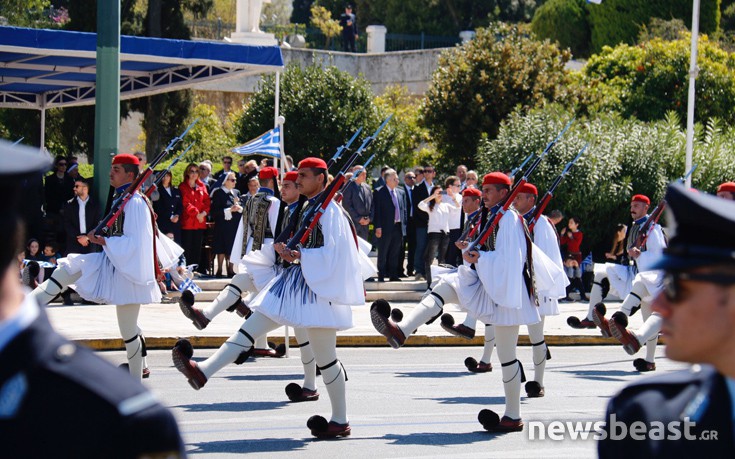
point(268, 144)
point(596, 2)
point(189, 284)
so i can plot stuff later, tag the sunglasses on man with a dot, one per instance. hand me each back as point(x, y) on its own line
point(672, 282)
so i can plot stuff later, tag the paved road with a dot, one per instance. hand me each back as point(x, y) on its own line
point(414, 402)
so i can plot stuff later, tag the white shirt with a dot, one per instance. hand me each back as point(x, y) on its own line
point(82, 215)
point(455, 212)
point(438, 218)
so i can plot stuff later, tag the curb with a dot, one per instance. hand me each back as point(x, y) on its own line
point(114, 344)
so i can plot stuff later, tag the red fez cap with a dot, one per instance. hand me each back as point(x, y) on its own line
point(290, 176)
point(529, 189)
point(268, 172)
point(641, 198)
point(496, 178)
point(472, 192)
point(727, 186)
point(312, 163)
point(125, 158)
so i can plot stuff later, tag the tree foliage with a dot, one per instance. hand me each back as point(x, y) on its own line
point(648, 80)
point(211, 137)
point(619, 21)
point(25, 13)
point(565, 22)
point(323, 107)
point(624, 157)
point(321, 18)
point(479, 83)
point(410, 145)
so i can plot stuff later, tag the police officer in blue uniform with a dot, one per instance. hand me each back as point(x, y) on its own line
point(697, 305)
point(57, 399)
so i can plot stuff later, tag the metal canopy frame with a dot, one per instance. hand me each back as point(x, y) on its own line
point(42, 69)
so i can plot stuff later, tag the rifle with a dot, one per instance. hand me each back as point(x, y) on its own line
point(541, 206)
point(472, 225)
point(325, 197)
point(520, 168)
point(119, 204)
point(356, 174)
point(160, 174)
point(341, 149)
point(494, 219)
point(647, 227)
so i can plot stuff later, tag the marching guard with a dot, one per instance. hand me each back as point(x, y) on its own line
point(315, 292)
point(621, 276)
point(124, 273)
point(253, 247)
point(498, 288)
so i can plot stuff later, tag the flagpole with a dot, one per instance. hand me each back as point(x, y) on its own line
point(693, 72)
point(279, 120)
point(276, 113)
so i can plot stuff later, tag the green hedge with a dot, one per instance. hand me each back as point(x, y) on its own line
point(565, 22)
point(619, 21)
point(624, 157)
point(647, 80)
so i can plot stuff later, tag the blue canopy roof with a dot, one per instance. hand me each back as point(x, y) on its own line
point(42, 68)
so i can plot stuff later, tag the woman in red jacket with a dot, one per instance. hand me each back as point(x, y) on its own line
point(571, 236)
point(195, 199)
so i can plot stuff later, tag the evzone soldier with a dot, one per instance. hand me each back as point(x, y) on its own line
point(57, 398)
point(315, 292)
point(253, 246)
point(633, 340)
point(124, 273)
point(545, 238)
point(471, 203)
point(498, 288)
point(621, 276)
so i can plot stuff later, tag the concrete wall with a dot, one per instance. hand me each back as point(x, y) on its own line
point(412, 69)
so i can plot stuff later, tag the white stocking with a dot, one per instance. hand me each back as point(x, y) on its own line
point(470, 321)
point(127, 321)
point(256, 325)
point(507, 339)
point(489, 345)
point(307, 358)
point(431, 305)
point(324, 343)
point(633, 299)
point(648, 333)
point(229, 295)
point(47, 291)
point(536, 336)
point(596, 292)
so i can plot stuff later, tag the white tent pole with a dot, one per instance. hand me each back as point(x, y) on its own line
point(281, 164)
point(43, 127)
point(693, 72)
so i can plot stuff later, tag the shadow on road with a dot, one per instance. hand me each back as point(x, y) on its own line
point(233, 406)
point(603, 375)
point(439, 438)
point(432, 374)
point(468, 400)
point(297, 377)
point(263, 445)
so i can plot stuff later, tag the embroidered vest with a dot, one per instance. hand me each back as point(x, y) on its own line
point(256, 221)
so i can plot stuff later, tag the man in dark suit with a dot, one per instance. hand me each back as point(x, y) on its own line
point(389, 219)
point(421, 219)
point(409, 181)
point(696, 307)
point(81, 215)
point(58, 399)
point(357, 200)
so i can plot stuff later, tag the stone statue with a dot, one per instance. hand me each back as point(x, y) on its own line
point(248, 15)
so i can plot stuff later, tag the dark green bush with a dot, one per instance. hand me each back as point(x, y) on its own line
point(619, 21)
point(624, 157)
point(565, 22)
